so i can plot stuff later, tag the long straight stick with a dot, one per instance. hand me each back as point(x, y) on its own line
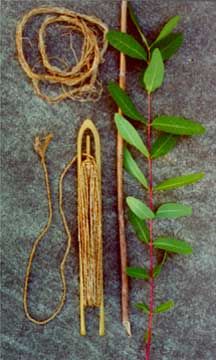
point(120, 192)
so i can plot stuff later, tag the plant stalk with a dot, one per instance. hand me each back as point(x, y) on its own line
point(120, 192)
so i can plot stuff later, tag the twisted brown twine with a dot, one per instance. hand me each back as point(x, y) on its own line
point(77, 82)
point(89, 216)
point(89, 222)
point(40, 147)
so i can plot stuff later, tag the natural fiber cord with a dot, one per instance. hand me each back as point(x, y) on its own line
point(78, 82)
point(89, 227)
point(40, 147)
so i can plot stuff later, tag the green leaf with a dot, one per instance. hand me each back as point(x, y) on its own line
point(177, 125)
point(124, 102)
point(173, 210)
point(163, 145)
point(172, 245)
point(136, 23)
point(157, 270)
point(179, 181)
point(158, 267)
point(154, 74)
point(137, 273)
point(146, 336)
point(164, 307)
point(126, 44)
point(143, 307)
point(130, 134)
point(170, 45)
point(133, 169)
point(139, 226)
point(168, 28)
point(141, 210)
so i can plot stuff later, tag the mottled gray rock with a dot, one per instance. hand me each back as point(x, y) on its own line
point(188, 332)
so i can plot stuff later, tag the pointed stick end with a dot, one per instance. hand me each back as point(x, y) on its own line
point(127, 327)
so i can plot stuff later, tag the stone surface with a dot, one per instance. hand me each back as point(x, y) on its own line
point(188, 332)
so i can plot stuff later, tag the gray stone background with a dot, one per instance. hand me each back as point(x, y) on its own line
point(187, 332)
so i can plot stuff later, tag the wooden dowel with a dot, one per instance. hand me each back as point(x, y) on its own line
point(120, 191)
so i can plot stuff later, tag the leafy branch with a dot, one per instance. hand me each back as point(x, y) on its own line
point(171, 127)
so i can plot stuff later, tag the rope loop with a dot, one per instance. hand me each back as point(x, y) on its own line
point(79, 81)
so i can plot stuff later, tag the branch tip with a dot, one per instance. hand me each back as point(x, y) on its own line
point(127, 327)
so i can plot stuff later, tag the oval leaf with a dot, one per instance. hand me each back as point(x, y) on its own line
point(143, 307)
point(126, 44)
point(136, 23)
point(154, 74)
point(139, 226)
point(157, 270)
point(133, 169)
point(173, 245)
point(177, 125)
point(158, 267)
point(140, 209)
point(130, 134)
point(168, 28)
point(170, 45)
point(147, 335)
point(124, 102)
point(173, 210)
point(179, 181)
point(164, 307)
point(137, 273)
point(163, 145)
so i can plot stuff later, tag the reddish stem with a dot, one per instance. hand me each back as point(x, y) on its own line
point(151, 281)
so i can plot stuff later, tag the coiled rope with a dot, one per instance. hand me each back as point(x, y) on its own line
point(79, 81)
